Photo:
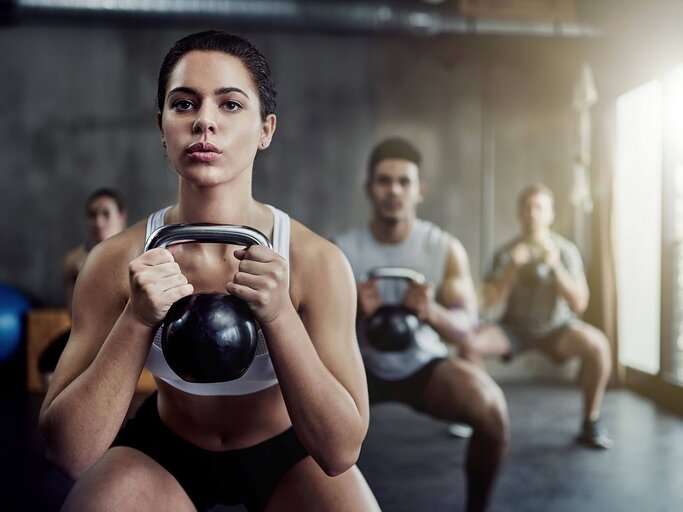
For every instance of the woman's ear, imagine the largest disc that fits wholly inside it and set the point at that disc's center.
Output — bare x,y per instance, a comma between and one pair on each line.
163,139
267,131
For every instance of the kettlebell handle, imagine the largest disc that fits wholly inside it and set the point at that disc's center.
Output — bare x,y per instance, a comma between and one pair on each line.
208,233
394,273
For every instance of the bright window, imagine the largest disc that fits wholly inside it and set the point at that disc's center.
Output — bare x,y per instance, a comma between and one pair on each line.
637,225
674,126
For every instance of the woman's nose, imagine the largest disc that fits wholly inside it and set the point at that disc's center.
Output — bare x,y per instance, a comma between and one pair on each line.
204,122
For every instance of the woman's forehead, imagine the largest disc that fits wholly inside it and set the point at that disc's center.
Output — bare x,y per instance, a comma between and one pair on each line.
209,69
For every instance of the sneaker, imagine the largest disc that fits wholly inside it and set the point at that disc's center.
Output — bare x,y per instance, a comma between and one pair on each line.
460,430
595,435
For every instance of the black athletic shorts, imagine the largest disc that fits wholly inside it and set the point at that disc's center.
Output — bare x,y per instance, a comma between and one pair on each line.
408,391
247,475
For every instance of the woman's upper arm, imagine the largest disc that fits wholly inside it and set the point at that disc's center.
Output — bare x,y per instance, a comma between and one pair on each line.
98,299
328,310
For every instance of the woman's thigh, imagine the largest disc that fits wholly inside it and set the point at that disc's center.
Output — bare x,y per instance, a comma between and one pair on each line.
306,487
127,479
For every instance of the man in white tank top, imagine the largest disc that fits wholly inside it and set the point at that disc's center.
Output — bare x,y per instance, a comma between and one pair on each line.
424,376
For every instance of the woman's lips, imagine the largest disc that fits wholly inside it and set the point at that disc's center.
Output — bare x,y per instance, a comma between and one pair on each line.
204,156
203,152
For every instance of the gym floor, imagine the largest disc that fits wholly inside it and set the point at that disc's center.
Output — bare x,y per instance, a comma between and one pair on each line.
413,464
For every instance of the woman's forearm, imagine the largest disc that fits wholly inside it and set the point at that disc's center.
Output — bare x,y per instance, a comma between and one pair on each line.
80,422
330,424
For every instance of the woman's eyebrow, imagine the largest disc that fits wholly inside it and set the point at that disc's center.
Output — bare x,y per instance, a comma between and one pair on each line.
226,90
187,90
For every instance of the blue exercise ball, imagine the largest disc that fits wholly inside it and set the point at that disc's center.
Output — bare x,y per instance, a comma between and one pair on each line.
13,307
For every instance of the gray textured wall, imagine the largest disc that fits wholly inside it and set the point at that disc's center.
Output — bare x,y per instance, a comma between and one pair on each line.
79,113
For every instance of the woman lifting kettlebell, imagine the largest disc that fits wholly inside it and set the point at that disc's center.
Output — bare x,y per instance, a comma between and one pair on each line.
286,436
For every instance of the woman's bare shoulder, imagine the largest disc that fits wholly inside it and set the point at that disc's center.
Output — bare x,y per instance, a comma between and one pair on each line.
114,254
306,246
315,261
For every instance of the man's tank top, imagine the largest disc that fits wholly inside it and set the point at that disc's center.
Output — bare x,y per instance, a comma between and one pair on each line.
425,251
260,374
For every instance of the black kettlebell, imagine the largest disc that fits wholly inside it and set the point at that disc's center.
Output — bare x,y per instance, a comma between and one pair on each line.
393,327
208,337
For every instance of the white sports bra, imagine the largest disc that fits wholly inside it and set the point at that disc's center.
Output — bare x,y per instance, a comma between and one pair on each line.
260,374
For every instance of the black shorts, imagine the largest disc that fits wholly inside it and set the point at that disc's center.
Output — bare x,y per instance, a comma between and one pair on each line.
408,391
247,475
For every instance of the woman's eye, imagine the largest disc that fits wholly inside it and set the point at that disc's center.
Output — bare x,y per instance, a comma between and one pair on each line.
182,105
232,106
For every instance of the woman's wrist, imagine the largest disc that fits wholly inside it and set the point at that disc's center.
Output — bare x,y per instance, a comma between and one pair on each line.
282,319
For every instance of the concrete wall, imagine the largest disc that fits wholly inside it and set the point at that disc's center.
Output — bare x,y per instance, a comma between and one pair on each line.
79,113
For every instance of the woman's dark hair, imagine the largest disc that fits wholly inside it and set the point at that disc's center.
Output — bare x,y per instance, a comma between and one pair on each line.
219,41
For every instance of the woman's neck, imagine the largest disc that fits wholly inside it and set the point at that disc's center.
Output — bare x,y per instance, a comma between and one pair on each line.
220,204
229,203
